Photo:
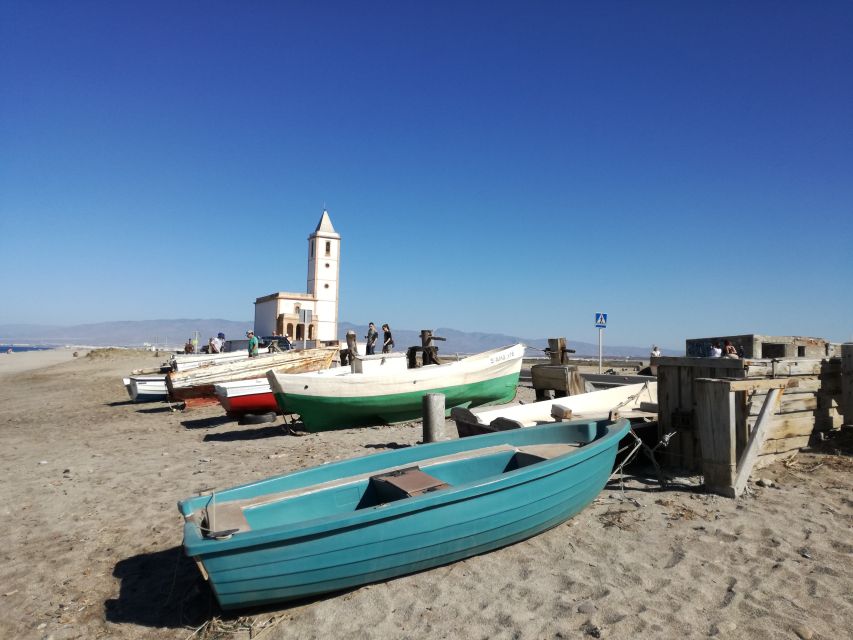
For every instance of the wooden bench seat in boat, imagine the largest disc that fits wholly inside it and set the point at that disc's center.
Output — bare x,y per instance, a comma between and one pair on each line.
405,483
226,517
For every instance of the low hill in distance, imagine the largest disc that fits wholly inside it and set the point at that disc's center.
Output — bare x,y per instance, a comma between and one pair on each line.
173,334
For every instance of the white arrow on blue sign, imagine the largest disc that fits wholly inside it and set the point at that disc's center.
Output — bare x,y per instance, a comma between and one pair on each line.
601,320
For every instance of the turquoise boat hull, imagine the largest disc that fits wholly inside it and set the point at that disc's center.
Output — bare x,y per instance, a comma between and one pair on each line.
325,529
324,413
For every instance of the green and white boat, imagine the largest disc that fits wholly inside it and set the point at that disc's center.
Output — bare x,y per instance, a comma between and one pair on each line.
380,389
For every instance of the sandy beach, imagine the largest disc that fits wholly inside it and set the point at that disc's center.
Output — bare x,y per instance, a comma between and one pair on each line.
93,539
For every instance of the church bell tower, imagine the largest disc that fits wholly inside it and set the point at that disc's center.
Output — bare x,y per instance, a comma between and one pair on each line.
324,251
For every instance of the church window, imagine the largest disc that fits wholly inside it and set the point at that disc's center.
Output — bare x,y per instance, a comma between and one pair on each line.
328,248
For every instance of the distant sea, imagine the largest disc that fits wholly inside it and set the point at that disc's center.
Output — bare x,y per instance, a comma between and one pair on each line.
17,347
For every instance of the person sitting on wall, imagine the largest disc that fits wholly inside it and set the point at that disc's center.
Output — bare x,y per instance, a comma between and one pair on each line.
214,345
716,352
729,350
189,347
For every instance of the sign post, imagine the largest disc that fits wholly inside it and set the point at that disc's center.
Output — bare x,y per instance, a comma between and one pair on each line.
601,324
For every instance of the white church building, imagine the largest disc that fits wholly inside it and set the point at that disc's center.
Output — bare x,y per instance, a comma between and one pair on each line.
285,313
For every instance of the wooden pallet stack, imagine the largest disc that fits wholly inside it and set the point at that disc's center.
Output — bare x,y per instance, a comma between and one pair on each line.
802,411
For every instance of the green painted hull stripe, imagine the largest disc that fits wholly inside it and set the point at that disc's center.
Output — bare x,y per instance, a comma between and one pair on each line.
320,413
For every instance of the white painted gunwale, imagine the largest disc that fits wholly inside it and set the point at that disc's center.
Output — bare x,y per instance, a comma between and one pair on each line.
148,385
342,383
185,361
239,388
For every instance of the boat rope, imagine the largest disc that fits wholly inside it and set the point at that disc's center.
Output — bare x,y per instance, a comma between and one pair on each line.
645,387
650,454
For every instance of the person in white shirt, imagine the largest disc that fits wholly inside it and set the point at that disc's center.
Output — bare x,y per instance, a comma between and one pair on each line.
716,352
655,352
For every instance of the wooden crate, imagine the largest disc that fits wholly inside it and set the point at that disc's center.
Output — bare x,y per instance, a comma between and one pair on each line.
811,407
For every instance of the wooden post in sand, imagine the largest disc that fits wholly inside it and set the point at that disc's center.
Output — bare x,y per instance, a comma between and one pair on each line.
433,411
348,354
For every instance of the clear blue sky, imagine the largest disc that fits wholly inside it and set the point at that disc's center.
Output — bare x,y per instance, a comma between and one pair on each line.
686,167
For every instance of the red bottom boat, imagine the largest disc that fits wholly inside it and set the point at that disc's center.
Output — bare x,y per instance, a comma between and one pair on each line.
246,396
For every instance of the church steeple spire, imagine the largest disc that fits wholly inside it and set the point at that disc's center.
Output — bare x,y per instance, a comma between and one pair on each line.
325,224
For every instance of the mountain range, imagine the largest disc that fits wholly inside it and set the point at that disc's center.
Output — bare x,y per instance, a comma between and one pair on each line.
173,333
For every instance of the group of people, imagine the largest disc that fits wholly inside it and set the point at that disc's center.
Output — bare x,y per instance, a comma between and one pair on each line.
372,338
728,350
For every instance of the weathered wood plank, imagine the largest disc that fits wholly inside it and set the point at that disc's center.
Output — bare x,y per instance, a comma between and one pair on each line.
847,382
756,438
787,405
715,421
785,444
722,363
799,367
686,386
823,420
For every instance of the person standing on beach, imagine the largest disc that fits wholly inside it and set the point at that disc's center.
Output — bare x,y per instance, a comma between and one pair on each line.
253,343
371,337
388,339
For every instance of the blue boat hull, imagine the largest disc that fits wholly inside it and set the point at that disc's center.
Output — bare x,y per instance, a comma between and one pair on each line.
353,547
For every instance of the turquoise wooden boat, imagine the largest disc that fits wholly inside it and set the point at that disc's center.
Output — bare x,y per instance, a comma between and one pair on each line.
368,519
380,389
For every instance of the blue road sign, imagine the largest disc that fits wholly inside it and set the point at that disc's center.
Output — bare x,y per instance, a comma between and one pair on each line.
601,320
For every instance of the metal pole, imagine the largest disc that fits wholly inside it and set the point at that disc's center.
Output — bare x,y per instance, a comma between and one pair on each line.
433,410
600,338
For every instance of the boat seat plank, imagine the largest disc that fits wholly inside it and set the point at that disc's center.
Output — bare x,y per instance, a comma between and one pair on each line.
405,484
225,517
259,501
548,451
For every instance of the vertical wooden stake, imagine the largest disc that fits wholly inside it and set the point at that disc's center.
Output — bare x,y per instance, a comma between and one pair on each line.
433,411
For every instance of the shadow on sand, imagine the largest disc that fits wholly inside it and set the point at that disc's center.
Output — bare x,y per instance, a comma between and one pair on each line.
165,589
207,423
387,445
160,409
248,434
120,403
160,589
